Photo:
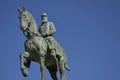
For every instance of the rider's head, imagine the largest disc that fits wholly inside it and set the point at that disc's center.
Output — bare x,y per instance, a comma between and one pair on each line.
44,17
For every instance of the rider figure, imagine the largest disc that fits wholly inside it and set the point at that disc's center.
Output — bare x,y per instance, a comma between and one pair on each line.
47,30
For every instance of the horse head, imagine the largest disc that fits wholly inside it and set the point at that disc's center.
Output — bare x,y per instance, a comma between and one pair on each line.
28,23
24,18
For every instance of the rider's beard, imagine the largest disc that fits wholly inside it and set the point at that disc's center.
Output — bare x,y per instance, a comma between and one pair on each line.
44,20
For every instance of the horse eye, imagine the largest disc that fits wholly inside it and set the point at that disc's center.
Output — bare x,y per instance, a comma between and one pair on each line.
24,16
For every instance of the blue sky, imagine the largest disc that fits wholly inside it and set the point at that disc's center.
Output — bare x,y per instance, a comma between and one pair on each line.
88,30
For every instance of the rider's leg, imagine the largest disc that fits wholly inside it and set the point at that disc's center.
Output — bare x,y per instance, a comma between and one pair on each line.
53,53
52,47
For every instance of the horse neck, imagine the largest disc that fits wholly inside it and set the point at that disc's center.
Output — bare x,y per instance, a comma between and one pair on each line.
32,28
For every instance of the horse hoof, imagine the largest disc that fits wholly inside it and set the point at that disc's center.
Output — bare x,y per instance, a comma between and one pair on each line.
25,73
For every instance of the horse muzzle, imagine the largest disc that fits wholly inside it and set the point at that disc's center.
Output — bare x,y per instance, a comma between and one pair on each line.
23,28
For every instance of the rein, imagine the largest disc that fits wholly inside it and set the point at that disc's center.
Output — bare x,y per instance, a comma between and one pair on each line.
33,33
24,34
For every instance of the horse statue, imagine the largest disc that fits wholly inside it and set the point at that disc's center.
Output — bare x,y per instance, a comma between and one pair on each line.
36,49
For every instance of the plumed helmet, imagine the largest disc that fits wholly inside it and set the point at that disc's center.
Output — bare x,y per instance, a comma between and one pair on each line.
43,15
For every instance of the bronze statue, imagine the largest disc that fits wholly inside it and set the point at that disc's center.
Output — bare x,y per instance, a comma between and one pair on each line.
39,48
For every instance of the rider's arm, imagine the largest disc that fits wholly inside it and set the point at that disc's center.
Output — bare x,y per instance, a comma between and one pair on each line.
52,29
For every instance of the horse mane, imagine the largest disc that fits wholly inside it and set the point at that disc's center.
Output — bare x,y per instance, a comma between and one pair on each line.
33,19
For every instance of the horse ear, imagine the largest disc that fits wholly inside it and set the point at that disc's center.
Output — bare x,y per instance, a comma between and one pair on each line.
24,8
19,10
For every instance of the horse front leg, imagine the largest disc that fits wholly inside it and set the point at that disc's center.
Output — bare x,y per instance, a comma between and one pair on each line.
22,67
42,65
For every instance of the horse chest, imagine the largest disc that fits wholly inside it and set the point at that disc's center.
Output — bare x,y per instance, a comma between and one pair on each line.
33,50
30,47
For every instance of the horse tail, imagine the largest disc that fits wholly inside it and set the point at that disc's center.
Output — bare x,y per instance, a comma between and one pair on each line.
66,67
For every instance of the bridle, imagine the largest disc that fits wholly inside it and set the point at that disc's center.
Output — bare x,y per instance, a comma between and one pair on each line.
28,30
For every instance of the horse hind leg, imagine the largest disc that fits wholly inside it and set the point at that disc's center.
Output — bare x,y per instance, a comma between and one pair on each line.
53,72
22,66
61,70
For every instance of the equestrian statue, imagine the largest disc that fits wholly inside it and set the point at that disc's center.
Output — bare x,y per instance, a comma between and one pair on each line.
41,46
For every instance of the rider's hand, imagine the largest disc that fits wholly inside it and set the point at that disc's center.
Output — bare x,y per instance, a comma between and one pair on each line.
44,34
